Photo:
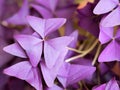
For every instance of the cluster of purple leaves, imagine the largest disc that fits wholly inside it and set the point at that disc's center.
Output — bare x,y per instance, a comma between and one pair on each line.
37,53
110,34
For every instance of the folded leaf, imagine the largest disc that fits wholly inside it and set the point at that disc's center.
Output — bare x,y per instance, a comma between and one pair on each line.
32,46
50,4
101,9
110,53
75,73
112,19
45,26
16,50
48,74
60,43
20,17
53,24
50,55
111,85
106,34
43,11
53,48
25,71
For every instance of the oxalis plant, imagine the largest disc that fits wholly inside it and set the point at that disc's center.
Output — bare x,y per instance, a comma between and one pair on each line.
59,44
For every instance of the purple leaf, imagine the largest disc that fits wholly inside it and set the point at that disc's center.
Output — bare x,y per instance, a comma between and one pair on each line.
45,26
51,4
101,87
48,74
15,49
50,55
75,73
106,34
53,24
110,5
60,43
110,53
4,57
79,72
32,46
20,17
25,71
112,19
43,11
53,47
111,85
37,24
